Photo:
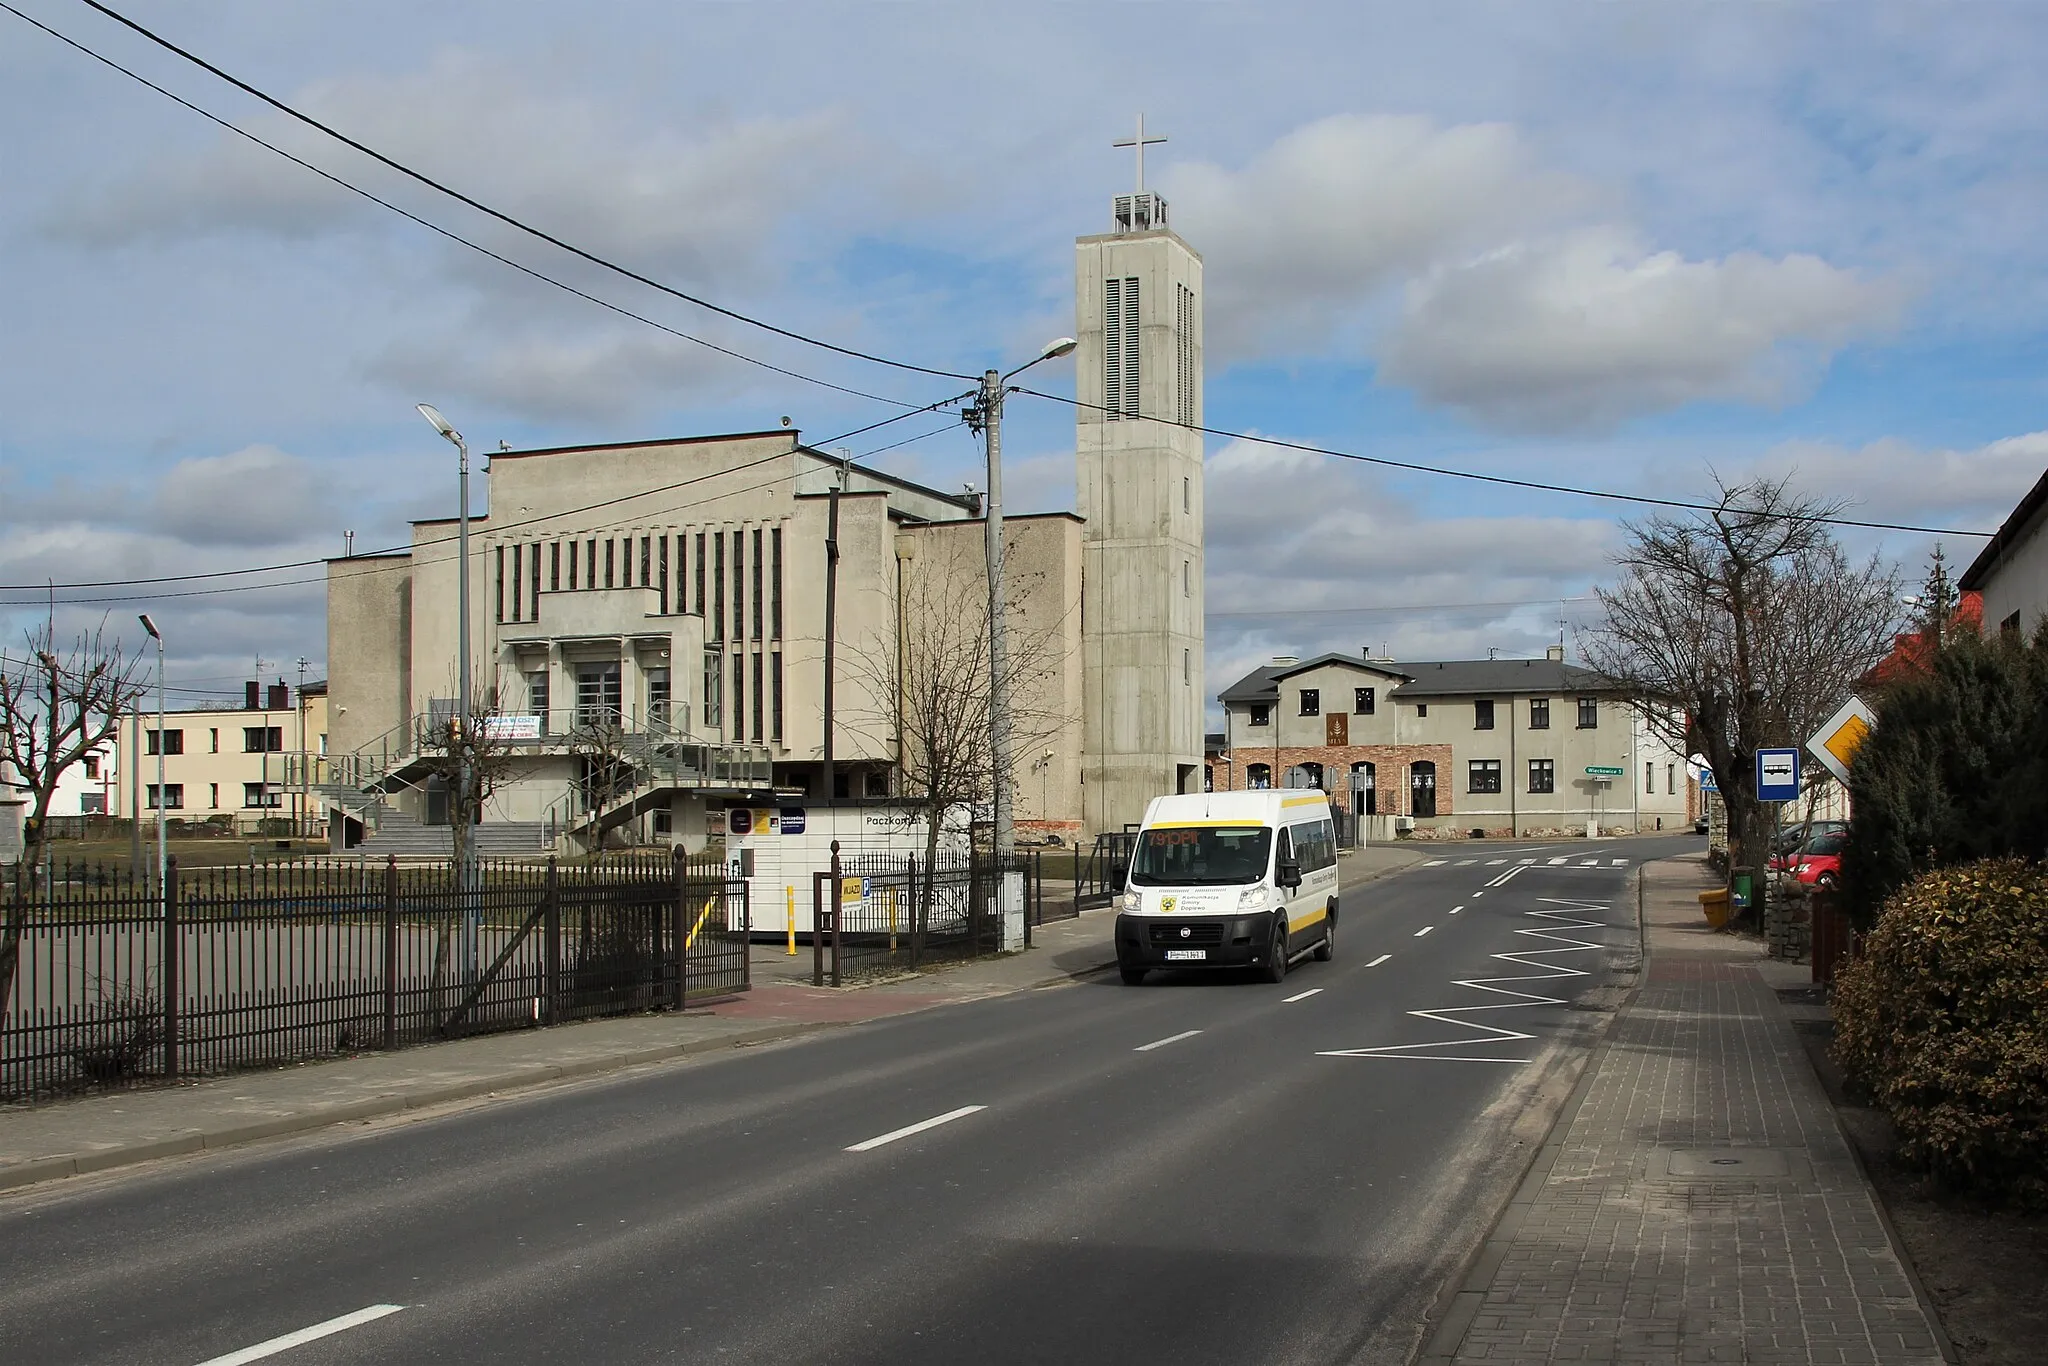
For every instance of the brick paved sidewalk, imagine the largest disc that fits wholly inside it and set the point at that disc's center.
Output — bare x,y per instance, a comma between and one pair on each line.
1698,1201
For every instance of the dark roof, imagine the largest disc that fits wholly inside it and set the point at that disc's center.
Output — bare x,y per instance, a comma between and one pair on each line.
1435,678
1214,741
2008,531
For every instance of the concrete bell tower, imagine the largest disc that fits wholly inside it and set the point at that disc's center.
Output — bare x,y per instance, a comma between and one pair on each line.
1138,305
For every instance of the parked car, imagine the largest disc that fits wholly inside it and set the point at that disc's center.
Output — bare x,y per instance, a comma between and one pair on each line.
1699,826
1818,862
1790,837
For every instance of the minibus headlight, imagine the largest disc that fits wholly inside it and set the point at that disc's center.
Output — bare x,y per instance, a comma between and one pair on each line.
1252,899
1132,902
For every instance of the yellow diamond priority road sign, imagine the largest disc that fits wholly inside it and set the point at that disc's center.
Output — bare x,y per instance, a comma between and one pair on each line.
1835,743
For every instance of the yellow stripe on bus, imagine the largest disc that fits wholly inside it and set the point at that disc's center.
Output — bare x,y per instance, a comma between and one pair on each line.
1298,922
1318,800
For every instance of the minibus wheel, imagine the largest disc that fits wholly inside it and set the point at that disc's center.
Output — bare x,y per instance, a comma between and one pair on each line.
1276,954
1131,976
1327,949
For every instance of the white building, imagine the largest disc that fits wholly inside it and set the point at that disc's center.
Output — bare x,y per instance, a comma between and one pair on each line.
2011,571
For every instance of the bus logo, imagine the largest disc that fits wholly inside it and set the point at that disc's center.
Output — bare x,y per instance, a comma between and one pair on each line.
1167,903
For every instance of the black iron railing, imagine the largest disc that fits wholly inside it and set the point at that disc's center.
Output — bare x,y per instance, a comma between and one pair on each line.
117,981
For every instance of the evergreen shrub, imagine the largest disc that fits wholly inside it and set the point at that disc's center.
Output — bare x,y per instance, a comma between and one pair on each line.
1943,1020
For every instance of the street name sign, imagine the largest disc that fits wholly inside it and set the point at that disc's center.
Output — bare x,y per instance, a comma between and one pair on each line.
1835,744
1777,775
1602,771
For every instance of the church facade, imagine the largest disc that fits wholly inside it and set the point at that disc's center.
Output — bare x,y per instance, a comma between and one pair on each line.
673,594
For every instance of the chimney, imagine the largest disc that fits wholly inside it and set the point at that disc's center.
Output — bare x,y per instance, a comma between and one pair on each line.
249,691
1285,661
280,696
1554,653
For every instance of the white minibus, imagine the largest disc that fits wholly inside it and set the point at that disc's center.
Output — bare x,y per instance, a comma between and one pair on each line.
1230,880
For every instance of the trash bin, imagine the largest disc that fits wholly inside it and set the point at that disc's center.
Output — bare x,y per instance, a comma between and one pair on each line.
1741,888
1714,903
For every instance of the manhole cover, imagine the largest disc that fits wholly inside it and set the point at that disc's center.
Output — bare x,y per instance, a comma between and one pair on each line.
1732,1164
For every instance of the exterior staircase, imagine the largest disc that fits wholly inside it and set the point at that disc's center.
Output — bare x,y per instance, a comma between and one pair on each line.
403,835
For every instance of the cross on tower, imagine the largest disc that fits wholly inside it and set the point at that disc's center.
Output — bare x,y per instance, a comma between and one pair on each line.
1139,142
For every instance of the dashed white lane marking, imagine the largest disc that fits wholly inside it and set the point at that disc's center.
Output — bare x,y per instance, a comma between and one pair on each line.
934,1122
285,1343
1456,909
1424,930
1556,861
1301,996
1161,1043
1379,960
1434,863
1617,863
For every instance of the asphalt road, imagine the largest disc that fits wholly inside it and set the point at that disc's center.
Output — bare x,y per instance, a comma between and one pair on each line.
1197,1170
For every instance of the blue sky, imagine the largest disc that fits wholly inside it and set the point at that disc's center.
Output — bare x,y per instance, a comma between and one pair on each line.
1619,246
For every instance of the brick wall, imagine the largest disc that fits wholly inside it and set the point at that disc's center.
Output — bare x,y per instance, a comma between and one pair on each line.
1391,776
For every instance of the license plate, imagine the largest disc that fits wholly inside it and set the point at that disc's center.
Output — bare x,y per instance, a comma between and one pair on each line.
1186,955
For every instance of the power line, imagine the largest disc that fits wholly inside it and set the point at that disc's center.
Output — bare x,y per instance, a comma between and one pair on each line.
1444,471
1272,612
414,559
507,219
448,233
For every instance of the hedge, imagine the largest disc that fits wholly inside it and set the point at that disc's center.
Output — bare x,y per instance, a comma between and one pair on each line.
1944,1021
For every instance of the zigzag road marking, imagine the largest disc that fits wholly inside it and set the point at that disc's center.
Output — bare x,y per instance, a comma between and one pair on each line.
1566,916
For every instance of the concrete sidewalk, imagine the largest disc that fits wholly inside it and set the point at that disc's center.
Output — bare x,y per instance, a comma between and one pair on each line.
1697,1200
96,1133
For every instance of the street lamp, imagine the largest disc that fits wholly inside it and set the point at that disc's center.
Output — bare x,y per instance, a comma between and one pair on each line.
162,846
986,417
462,774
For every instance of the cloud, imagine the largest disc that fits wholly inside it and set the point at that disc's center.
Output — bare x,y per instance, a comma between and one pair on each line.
256,496
1299,242
691,204
1588,328
548,374
1900,481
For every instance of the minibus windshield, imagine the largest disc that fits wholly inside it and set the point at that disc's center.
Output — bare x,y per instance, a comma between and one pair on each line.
1201,856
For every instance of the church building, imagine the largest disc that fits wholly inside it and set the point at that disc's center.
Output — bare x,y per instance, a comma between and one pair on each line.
672,594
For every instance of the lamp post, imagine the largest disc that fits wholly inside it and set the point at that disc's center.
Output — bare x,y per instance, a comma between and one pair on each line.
986,417
463,865
162,844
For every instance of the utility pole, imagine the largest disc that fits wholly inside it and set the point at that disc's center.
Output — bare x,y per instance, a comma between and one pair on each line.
464,879
831,614
988,415
301,824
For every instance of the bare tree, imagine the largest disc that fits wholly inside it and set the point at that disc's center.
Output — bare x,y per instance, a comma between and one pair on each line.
487,753
55,709
601,747
930,689
1743,628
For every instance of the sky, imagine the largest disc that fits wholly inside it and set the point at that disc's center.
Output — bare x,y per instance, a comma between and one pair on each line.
1634,248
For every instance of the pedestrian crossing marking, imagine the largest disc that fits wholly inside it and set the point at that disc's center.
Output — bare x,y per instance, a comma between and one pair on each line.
1590,863
1527,862
1556,861
1467,862
1618,863
1434,863
1495,862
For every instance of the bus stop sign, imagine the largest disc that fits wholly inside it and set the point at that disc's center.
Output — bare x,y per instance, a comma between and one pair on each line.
1777,775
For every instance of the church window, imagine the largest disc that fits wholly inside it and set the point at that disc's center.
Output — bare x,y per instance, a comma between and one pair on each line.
1121,336
717,618
775,601
1184,349
714,679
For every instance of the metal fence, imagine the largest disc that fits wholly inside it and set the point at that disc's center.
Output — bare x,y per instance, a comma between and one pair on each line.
900,914
116,982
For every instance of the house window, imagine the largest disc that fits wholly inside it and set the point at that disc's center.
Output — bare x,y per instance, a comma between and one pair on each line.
1483,775
213,739
1539,713
174,797
1362,701
259,795
1671,780
1187,495
1649,780
1422,709
658,697
263,739
1187,578
213,796
1589,713
1543,775
2010,626
172,742
1258,776
1260,714
876,783
1187,667
1311,702
92,767
1303,776
1482,714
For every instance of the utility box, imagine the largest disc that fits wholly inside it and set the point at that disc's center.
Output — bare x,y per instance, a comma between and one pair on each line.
776,849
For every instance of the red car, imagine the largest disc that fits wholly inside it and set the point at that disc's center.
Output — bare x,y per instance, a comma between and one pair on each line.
1818,862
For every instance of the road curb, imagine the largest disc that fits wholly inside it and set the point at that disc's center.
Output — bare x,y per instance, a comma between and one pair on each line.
1458,1307
39,1170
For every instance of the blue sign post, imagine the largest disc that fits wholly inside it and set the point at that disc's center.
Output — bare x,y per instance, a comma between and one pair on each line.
1777,775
